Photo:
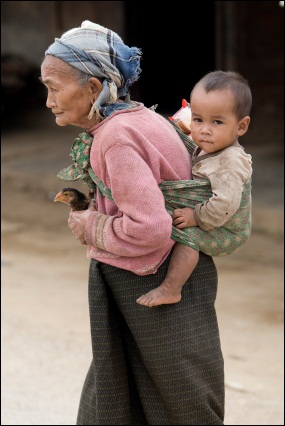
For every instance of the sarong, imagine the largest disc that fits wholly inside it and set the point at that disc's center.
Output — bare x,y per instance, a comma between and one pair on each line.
153,366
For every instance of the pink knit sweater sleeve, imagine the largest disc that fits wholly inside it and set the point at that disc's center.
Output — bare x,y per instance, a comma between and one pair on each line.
143,223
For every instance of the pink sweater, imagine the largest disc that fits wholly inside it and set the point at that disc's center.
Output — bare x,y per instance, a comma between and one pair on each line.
132,153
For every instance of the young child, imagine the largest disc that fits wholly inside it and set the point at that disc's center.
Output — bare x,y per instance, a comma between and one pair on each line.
220,107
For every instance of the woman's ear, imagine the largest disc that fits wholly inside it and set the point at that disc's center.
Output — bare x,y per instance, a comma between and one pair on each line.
96,86
243,125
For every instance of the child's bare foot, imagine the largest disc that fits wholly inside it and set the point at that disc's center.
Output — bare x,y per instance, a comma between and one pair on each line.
159,296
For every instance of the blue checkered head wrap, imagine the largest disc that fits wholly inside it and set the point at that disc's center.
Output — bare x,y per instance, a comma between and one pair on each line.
101,53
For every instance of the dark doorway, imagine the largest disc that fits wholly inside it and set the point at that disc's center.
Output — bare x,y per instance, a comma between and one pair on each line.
178,49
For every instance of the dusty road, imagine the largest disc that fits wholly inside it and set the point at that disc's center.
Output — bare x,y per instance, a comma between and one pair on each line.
45,327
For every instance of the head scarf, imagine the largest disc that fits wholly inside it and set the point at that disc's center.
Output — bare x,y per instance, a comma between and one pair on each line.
100,52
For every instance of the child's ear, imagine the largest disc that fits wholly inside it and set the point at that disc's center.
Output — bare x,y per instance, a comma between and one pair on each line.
243,125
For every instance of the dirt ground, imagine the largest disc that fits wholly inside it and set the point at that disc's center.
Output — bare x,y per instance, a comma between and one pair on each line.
45,327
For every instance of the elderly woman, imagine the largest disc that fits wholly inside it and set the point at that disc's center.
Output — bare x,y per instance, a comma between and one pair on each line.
153,366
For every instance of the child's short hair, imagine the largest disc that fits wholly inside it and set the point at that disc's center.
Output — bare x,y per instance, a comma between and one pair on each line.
229,80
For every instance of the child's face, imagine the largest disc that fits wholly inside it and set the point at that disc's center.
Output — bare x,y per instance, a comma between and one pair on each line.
214,125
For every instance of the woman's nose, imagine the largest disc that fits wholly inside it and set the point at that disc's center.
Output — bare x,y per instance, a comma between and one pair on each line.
50,103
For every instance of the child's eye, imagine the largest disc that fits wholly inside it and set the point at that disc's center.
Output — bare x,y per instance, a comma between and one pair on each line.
197,120
218,122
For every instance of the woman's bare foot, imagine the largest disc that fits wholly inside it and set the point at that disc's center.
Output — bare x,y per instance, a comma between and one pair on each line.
161,295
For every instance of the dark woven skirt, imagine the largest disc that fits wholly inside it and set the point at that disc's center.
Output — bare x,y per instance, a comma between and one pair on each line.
153,366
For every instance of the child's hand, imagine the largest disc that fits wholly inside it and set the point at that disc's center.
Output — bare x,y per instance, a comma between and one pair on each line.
183,218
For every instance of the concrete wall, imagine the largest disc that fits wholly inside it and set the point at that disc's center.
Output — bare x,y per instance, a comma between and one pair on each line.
25,28
28,27
249,38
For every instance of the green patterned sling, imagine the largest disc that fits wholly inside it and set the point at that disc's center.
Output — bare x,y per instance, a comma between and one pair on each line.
177,194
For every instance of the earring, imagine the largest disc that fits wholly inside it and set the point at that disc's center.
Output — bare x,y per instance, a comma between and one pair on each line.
92,111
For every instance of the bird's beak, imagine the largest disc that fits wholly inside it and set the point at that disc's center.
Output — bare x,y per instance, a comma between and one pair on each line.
59,197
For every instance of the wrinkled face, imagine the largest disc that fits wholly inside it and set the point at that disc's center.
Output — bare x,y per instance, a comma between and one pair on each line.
214,125
69,101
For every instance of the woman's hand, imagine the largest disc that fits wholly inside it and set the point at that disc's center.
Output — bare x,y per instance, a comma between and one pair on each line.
183,218
77,221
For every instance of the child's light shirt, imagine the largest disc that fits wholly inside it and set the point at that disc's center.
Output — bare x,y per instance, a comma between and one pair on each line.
227,171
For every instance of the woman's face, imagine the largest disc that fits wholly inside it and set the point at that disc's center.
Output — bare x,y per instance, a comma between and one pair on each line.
69,101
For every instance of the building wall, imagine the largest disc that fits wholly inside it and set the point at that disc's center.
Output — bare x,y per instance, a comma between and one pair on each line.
25,28
28,27
248,37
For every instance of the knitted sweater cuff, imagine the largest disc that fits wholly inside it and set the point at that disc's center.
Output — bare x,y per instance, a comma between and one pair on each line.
95,230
